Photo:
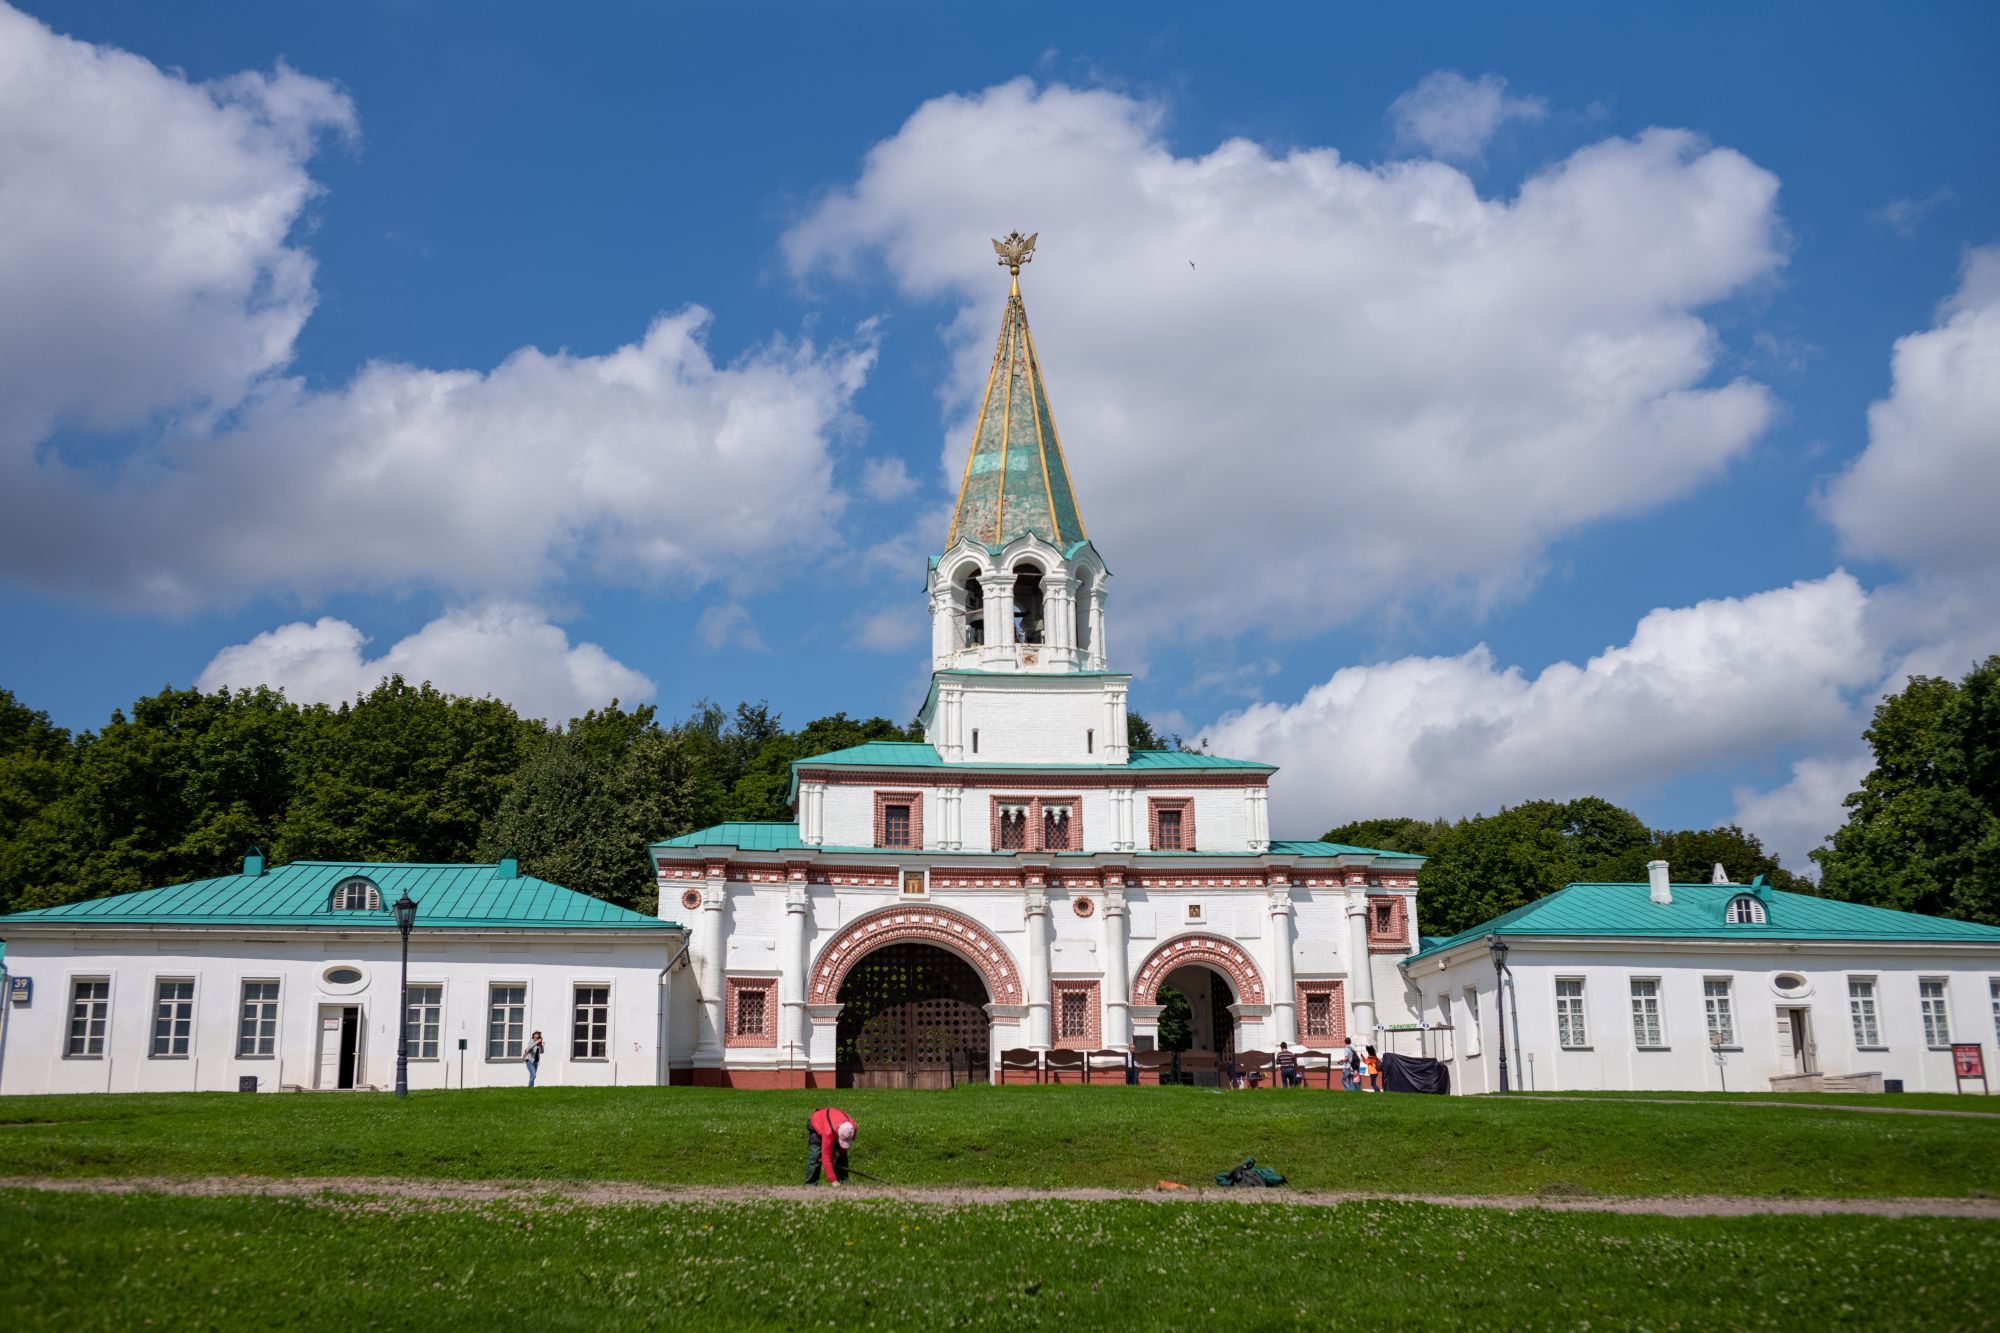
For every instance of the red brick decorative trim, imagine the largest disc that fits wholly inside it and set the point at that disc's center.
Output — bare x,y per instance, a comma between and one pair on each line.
1336,993
1154,806
924,925
767,1033
1093,1020
952,775
691,899
1084,907
1037,807
914,800
1395,936
1225,956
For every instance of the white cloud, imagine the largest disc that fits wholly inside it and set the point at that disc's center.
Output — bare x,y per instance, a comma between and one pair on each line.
1695,686
891,629
886,478
729,626
503,649
1454,117
1904,216
1798,816
147,276
147,266
1374,382
1926,490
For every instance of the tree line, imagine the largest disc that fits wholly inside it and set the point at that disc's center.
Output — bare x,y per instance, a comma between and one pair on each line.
180,786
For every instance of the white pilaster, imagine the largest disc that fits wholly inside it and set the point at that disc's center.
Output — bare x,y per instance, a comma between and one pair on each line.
1097,656
1041,992
1121,813
945,620
1284,1000
711,956
1117,972
795,1029
1260,819
951,808
999,646
1117,749
812,813
1360,974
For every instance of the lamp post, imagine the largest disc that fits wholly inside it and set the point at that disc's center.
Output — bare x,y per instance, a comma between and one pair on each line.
1498,948
406,917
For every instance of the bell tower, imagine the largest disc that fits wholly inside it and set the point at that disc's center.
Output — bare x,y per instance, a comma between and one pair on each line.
1019,590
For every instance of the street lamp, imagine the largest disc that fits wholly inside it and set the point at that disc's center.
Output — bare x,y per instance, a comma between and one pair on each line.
1498,948
406,917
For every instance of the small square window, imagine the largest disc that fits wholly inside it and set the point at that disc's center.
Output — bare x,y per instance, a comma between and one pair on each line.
895,826
1168,837
1075,1014
750,1012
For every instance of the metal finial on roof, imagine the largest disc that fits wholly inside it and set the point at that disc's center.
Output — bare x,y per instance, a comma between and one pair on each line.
1015,251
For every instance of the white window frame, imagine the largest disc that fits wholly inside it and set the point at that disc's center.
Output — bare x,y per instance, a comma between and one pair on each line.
520,1043
1937,1035
184,1039
576,1008
1710,1009
1993,989
414,1031
94,1044
1659,1042
1869,1006
259,1042
1582,1015
1447,1048
1472,1031
1753,913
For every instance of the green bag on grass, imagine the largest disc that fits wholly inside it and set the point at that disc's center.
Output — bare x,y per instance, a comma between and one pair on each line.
1250,1175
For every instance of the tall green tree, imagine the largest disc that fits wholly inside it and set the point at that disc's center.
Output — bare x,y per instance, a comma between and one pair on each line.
761,791
1414,837
1923,832
35,759
404,773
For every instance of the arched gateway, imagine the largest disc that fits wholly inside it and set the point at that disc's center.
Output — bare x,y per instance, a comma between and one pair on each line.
913,985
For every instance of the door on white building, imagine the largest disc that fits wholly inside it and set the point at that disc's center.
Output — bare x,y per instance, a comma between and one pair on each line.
1795,1040
339,1046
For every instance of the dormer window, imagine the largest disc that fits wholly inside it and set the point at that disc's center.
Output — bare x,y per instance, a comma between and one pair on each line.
1745,910
356,895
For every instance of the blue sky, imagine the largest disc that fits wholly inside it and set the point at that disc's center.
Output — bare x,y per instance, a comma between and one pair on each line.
1374,339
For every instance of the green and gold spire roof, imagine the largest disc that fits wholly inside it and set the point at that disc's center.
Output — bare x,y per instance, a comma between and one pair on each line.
1015,479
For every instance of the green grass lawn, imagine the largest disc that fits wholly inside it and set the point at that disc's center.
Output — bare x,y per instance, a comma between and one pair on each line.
117,1262
1070,1136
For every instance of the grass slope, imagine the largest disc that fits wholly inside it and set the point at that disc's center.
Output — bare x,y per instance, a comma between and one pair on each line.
85,1262
1116,1137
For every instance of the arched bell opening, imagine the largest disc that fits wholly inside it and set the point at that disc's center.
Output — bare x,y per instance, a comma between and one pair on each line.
1028,618
972,597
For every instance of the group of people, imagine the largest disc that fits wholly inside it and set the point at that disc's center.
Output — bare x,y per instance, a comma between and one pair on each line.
1360,1068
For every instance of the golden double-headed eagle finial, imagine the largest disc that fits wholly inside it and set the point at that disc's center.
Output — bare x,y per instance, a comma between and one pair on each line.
1016,250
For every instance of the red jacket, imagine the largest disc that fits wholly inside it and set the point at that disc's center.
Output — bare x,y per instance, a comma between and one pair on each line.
826,1122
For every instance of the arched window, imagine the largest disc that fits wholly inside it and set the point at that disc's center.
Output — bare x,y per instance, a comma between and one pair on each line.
1745,910
1027,604
356,895
974,598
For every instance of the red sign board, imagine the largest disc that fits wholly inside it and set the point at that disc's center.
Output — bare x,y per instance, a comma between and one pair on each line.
1968,1062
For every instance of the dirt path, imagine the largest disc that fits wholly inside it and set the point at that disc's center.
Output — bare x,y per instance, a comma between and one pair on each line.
597,1194
1745,1101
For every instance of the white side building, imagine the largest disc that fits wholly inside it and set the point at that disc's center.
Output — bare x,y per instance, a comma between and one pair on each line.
290,976
1643,986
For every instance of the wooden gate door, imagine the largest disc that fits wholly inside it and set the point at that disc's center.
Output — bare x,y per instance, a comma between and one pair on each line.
913,1016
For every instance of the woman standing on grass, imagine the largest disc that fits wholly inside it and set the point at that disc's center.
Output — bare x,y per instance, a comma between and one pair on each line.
1372,1062
533,1057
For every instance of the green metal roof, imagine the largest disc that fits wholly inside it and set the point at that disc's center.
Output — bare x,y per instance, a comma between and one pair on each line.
1016,480
783,836
913,754
301,894
1698,911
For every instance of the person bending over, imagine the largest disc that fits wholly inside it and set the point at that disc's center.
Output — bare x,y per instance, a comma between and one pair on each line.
829,1134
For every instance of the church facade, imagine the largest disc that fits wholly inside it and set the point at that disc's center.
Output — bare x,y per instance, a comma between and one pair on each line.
1021,878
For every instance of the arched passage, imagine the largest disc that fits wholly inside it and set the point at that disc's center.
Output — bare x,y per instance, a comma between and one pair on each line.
1212,951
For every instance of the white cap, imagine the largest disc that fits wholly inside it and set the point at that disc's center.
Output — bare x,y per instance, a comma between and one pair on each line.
845,1134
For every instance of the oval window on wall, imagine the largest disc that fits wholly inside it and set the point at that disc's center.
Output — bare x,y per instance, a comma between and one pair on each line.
342,976
1791,985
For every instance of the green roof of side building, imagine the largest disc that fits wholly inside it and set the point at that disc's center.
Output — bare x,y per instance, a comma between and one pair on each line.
491,897
783,836
915,754
1699,911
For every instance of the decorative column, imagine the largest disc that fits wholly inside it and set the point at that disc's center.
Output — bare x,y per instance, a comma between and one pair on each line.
1116,745
1260,819
812,813
795,1027
1360,970
1117,965
1041,995
1097,657
949,727
1059,620
999,642
1121,820
1283,997
945,621
712,931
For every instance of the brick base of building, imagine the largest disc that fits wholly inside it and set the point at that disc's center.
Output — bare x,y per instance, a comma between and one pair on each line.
764,1079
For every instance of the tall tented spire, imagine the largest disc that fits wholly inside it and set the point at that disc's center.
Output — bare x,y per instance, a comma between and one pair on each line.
1015,478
